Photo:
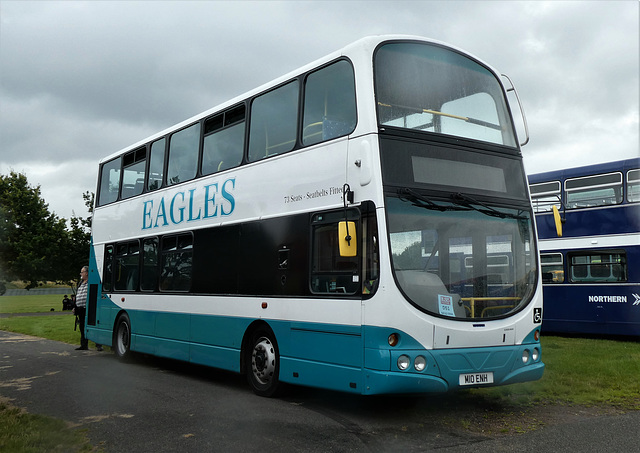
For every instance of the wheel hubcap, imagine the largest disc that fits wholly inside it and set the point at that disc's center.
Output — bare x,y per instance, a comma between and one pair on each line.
263,360
123,339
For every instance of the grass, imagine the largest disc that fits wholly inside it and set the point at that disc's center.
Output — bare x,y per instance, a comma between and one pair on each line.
58,328
30,304
21,432
581,371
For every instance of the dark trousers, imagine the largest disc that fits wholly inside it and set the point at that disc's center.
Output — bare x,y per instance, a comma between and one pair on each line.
80,312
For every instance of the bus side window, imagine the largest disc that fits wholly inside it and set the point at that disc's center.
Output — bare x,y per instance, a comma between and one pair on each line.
545,195
633,186
552,267
223,141
156,165
176,261
330,272
597,266
109,182
127,261
149,278
183,155
273,122
107,274
597,190
329,103
133,169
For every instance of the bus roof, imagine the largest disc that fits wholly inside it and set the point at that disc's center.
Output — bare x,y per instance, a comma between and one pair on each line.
363,46
586,170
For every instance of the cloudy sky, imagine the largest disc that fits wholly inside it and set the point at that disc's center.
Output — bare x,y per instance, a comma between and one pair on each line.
81,80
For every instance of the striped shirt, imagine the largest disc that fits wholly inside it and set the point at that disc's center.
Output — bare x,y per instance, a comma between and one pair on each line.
81,295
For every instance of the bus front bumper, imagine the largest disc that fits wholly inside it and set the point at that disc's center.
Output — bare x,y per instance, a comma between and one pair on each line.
381,382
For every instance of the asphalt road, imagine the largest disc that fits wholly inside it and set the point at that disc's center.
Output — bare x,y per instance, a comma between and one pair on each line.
166,406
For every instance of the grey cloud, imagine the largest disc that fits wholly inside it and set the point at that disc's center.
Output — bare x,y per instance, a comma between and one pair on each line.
89,78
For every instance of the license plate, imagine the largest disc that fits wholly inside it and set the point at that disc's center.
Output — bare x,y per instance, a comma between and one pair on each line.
476,378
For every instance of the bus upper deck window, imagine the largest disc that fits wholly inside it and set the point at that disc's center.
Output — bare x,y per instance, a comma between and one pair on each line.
156,165
183,155
133,167
109,182
329,103
596,190
633,186
223,140
273,122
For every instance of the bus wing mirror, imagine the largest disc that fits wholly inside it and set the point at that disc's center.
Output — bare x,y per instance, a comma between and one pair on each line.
558,221
347,238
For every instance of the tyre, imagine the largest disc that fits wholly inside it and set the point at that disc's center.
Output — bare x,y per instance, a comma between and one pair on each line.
263,360
122,337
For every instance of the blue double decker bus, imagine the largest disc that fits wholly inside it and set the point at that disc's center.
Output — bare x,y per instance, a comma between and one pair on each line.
588,221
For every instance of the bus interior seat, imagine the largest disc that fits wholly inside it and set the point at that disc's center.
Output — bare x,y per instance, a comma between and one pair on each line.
423,288
128,190
155,181
149,277
132,280
139,186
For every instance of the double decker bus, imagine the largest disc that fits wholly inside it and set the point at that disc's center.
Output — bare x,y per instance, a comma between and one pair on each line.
362,224
588,222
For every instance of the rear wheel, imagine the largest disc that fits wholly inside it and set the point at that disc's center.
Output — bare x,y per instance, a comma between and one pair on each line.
122,337
263,360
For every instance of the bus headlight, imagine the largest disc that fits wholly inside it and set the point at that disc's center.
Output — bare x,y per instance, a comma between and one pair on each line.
403,362
535,355
525,356
420,363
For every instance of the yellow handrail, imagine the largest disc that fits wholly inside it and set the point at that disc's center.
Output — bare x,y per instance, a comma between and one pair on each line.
432,112
472,302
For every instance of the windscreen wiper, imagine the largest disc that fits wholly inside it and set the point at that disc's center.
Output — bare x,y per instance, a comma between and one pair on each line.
466,200
423,202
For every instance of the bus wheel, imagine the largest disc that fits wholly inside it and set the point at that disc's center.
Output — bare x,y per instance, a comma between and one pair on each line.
265,362
122,337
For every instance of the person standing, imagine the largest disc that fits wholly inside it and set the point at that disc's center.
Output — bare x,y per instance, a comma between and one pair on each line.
81,307
66,303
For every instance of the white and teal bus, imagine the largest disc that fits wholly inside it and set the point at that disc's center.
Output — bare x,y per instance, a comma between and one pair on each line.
362,224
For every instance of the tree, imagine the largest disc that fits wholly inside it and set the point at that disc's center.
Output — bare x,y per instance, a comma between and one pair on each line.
32,239
76,252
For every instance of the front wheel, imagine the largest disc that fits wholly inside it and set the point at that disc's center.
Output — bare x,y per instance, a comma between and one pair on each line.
122,337
263,359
